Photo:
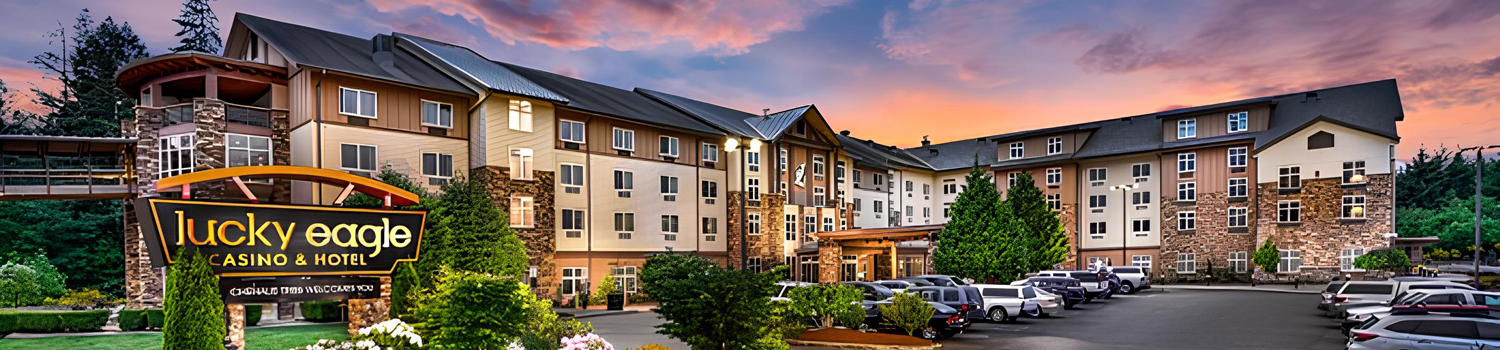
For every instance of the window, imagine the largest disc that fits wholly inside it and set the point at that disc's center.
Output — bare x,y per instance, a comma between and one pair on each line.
1239,121
1096,230
752,186
1054,201
572,223
521,163
624,225
1010,179
1142,261
355,157
624,278
1054,145
669,188
1187,128
1291,261
1141,172
437,165
1290,177
1097,176
624,140
926,189
669,227
520,115
437,114
838,171
574,280
1140,198
752,224
926,212
1238,157
359,103
710,190
1354,172
1238,262
1289,211
818,167
909,211
809,224
1017,150
947,210
1054,176
571,178
790,221
753,264
522,211
856,178
624,182
570,131
1319,140
670,147
781,159
1187,220
820,196
247,150
857,206
1187,263
175,154
1187,191
1097,201
1140,227
908,187
1187,162
1239,187
879,179
710,227
1347,256
752,159
710,152
827,224
879,207
1238,216
1354,207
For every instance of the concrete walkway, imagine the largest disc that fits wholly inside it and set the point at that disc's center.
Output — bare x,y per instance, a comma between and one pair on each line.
105,333
1274,288
601,311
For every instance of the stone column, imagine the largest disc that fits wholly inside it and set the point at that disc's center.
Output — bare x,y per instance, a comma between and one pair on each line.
830,261
143,284
235,337
367,312
281,154
209,152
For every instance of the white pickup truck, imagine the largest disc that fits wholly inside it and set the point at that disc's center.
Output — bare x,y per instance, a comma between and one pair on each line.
1132,278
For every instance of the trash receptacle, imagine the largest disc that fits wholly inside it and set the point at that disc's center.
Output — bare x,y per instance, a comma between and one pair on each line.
615,302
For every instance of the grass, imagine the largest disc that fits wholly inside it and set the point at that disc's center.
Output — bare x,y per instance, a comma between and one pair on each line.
274,338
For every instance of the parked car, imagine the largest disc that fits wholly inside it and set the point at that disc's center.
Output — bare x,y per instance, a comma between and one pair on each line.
896,286
946,321
1408,287
1132,278
872,291
1093,286
1421,330
941,280
1048,303
1006,303
1068,288
1427,299
1328,292
918,282
1114,282
1362,293
966,299
784,290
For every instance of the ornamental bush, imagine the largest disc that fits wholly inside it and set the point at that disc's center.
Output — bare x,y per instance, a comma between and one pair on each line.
829,304
391,335
602,292
132,320
252,314
194,309
323,310
907,312
52,321
83,299
403,284
476,311
710,307
786,322
1267,256
544,327
156,318
1389,260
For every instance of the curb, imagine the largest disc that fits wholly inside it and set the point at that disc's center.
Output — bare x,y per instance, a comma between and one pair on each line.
605,313
799,342
1246,289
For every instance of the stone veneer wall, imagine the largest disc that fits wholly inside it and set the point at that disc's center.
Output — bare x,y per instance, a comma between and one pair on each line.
830,260
541,240
1069,218
1322,234
1211,241
766,245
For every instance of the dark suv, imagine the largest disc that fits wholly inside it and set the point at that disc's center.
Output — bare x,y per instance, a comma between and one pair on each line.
872,291
966,299
1068,287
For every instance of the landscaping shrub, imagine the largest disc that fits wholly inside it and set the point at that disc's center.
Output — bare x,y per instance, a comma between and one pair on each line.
402,286
29,279
651,347
544,327
601,293
194,309
156,318
132,320
7,324
252,314
390,335
828,304
710,307
323,311
786,321
52,321
81,299
908,312
478,311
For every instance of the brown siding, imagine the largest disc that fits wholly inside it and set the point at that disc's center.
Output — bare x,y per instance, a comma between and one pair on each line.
1217,123
300,93
600,137
1037,146
397,107
1212,173
801,154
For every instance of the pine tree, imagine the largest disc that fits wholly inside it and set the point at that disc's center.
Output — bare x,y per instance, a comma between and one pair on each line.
970,245
200,28
1267,257
194,309
1036,237
90,102
470,233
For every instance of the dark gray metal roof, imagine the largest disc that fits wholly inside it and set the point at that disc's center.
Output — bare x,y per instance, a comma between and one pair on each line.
774,124
873,154
599,98
45,138
477,69
1011,163
958,154
1127,135
1372,107
333,51
730,120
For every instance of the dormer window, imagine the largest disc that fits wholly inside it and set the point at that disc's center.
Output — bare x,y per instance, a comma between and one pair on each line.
1239,121
1017,150
1054,145
1187,128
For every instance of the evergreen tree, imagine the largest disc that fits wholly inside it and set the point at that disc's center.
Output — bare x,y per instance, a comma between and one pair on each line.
193,307
90,102
394,178
1267,257
403,284
970,245
14,121
1036,237
470,233
200,28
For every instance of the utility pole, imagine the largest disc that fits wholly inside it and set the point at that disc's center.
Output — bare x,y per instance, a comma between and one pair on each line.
1478,206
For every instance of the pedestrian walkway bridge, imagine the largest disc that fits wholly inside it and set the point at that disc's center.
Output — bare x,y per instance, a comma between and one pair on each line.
66,167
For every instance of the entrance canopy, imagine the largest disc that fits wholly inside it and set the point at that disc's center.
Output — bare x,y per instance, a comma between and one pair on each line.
871,254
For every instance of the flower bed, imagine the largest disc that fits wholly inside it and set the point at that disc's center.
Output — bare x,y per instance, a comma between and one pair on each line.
849,336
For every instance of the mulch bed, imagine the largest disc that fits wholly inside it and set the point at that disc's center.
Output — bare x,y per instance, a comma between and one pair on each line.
840,335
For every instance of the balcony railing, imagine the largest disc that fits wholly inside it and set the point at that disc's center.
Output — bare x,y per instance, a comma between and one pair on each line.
252,116
63,168
247,115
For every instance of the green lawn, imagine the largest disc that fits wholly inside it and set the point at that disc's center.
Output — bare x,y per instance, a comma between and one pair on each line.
275,338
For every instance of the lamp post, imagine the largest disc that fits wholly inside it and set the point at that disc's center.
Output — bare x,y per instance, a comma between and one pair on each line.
1124,217
731,144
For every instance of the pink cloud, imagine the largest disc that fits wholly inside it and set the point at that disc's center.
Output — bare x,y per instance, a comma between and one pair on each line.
723,28
20,77
967,39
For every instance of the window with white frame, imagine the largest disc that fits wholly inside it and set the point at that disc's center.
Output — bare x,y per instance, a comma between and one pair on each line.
752,159
520,115
1097,201
355,102
1239,187
1054,201
1239,216
909,211
926,212
838,171
1187,162
710,152
827,224
1289,177
357,158
574,280
1187,128
783,187
1354,172
1291,261
1140,227
1017,150
624,278
623,140
1187,220
437,114
790,221
669,227
1097,230
522,211
950,187
752,186
809,224
710,228
1141,172
1238,261
1347,256
248,150
1054,176
571,178
1097,176
1054,145
1010,179
879,179
820,196
521,163
437,165
572,223
1289,211
624,225
1353,208
174,154
1187,191
624,183
926,189
856,178
857,205
947,210
752,224
571,131
879,207
669,188
782,159
1238,157
1141,261
670,147
1140,198
1239,121
1187,263
710,191
818,167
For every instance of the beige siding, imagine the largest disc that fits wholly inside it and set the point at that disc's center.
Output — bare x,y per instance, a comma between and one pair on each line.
401,150
1118,220
1348,145
500,139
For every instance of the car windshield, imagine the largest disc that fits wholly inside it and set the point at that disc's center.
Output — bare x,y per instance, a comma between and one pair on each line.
1333,287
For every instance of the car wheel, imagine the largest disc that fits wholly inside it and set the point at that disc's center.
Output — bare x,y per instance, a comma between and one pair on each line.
929,333
1033,313
998,314
1127,288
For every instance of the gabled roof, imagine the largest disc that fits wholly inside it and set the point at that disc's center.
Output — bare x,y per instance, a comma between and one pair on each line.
774,124
1372,107
599,98
869,153
958,154
1124,135
477,69
338,52
730,120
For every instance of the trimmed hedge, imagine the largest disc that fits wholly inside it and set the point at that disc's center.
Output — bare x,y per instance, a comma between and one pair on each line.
52,321
252,314
323,311
7,324
156,318
132,320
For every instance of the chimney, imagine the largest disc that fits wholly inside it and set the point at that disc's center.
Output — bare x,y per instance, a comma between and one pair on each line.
1310,96
925,143
844,132
765,112
381,51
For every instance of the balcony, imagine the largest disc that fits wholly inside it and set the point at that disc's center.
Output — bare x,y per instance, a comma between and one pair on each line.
184,113
61,167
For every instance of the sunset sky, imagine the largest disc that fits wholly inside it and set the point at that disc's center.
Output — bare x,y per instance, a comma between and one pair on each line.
897,70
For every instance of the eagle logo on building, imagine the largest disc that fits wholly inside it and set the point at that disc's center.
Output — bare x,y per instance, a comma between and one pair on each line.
801,173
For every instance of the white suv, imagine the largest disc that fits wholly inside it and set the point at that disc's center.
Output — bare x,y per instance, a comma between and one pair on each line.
1426,332
1132,278
1003,303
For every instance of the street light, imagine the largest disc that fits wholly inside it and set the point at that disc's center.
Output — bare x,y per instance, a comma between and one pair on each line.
731,144
1478,199
1124,217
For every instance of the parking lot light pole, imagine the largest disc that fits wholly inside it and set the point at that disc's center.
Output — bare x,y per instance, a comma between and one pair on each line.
1125,217
1478,205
